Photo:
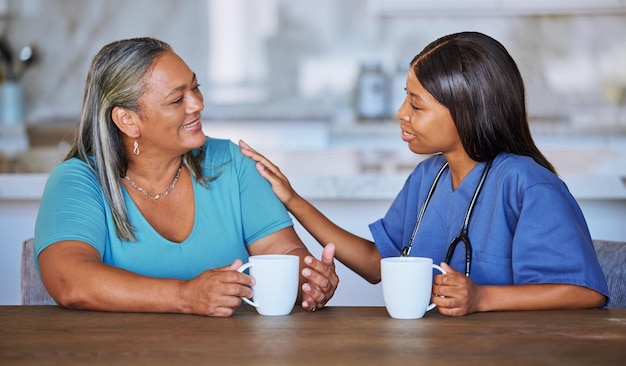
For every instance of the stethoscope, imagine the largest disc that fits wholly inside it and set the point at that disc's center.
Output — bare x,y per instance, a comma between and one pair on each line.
462,237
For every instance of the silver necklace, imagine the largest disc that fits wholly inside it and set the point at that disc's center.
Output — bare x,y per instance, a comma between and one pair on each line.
156,196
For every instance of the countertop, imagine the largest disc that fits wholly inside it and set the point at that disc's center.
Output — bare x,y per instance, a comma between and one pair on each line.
358,187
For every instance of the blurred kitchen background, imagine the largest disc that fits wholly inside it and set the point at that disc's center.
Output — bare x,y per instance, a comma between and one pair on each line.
315,86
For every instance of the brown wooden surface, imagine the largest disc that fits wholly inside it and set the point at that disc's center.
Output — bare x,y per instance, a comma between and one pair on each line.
48,335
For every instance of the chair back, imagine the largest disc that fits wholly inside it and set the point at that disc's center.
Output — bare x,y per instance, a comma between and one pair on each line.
612,258
33,291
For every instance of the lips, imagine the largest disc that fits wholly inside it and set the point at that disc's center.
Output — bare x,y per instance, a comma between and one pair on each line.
190,125
406,136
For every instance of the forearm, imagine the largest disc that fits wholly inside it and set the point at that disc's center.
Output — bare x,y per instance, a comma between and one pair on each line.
96,286
538,297
358,254
75,277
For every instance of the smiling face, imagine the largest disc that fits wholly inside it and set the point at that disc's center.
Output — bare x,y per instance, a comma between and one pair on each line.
426,124
169,116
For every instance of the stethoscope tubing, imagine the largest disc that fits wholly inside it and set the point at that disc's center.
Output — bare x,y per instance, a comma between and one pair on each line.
407,250
464,228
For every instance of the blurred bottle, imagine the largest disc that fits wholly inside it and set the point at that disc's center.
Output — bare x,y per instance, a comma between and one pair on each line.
11,105
371,101
13,136
397,88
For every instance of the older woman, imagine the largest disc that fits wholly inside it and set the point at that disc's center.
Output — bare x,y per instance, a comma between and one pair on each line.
147,214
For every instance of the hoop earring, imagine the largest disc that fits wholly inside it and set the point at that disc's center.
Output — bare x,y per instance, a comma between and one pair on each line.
136,148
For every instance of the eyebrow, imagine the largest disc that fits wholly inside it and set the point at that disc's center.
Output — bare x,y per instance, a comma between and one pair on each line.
417,96
182,87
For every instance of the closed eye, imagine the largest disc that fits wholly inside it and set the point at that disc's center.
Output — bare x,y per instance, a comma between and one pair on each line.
408,95
195,89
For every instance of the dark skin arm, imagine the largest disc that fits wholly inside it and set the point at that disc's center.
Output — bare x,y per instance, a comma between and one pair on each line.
456,294
359,254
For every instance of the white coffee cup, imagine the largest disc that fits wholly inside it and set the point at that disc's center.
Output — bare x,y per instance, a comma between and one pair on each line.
276,282
407,284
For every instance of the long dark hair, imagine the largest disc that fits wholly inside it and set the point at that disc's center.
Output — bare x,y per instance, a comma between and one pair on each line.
474,76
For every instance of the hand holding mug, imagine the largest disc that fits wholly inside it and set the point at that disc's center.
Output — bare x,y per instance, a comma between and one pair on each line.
217,292
455,293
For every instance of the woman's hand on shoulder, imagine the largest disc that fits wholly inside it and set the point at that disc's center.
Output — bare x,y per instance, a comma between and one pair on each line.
280,184
217,292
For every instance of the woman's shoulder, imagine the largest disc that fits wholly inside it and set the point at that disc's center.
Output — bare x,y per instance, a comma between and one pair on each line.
217,142
520,164
523,170
71,176
74,168
220,147
221,155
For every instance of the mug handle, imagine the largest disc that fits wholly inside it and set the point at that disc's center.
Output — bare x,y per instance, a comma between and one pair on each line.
433,305
241,269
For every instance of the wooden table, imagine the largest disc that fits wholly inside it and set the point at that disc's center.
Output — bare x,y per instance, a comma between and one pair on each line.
49,335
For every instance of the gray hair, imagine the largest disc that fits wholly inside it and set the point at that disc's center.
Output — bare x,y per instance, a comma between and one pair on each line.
116,79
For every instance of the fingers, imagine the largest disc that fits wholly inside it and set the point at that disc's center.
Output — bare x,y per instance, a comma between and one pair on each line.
454,293
232,267
318,284
266,168
244,145
231,275
314,298
327,263
328,254
451,277
227,282
447,267
248,151
447,303
309,303
218,292
322,279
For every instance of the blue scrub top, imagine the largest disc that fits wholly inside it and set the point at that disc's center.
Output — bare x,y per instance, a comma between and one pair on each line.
526,227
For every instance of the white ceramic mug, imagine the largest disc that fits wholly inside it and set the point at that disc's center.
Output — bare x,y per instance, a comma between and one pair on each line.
276,282
407,284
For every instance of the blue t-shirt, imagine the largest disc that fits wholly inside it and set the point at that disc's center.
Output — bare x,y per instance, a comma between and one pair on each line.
238,209
526,227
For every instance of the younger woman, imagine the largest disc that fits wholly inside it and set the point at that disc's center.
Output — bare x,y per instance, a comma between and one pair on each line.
487,204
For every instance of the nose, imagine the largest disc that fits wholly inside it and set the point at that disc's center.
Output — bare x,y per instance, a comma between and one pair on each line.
196,103
402,114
